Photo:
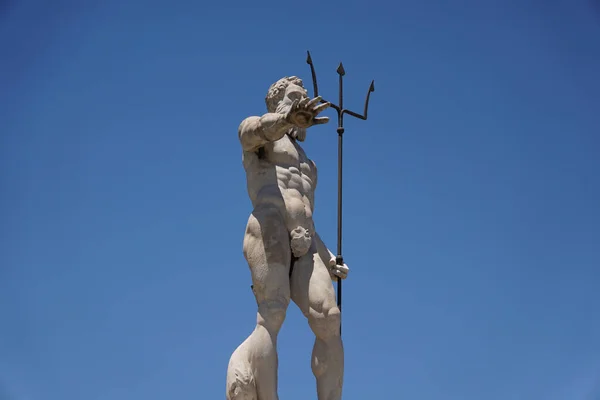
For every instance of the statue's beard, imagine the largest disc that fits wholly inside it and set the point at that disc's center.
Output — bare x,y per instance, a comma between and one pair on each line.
296,133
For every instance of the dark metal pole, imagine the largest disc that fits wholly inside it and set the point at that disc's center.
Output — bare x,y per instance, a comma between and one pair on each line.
340,130
339,259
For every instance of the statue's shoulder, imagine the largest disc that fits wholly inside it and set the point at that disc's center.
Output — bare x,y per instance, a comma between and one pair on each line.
248,123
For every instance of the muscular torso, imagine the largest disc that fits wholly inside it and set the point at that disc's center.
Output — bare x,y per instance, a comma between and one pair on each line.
280,174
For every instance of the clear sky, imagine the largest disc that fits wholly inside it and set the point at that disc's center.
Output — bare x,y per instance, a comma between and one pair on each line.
471,202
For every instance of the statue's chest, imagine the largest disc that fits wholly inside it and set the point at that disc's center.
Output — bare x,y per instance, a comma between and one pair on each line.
286,152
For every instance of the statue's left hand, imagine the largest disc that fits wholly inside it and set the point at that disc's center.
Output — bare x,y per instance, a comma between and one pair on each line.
337,271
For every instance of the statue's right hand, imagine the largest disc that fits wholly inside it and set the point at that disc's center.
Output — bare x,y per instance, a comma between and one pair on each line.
303,113
337,271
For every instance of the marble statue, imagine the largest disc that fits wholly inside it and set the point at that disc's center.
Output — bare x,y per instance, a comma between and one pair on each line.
287,258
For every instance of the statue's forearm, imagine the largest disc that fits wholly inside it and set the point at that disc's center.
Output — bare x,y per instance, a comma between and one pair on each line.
257,131
274,126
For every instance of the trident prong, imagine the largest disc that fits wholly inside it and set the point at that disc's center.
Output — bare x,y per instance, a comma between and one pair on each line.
364,116
312,72
340,110
340,130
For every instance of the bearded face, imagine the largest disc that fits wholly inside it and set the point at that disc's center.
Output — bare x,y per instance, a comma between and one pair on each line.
293,93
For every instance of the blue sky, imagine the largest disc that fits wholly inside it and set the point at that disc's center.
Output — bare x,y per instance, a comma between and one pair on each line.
471,195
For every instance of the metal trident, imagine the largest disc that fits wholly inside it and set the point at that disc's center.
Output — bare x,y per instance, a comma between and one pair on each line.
340,130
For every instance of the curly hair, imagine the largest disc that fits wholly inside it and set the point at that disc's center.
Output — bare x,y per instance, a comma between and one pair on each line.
277,91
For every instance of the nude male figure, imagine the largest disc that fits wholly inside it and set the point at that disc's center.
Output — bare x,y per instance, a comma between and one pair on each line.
286,256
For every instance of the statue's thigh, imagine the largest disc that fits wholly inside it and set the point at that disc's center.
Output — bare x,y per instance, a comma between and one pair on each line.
312,288
267,250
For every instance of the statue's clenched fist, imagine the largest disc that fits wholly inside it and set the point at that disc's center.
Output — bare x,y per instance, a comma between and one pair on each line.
337,271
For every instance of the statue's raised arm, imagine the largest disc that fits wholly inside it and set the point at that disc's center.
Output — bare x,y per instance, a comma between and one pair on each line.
255,132
289,109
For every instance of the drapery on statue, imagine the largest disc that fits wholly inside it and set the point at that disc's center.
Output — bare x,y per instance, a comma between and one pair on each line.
287,258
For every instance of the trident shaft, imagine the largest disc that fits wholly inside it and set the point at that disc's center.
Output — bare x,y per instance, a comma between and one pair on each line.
340,130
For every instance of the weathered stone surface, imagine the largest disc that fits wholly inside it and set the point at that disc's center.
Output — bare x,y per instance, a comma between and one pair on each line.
287,259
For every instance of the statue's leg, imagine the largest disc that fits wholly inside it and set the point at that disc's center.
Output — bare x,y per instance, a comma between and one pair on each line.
267,250
313,292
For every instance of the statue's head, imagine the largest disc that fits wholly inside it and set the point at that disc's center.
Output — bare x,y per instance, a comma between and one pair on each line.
277,91
280,97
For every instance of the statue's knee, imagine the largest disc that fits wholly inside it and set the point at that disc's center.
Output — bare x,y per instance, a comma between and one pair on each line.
325,324
271,314
241,384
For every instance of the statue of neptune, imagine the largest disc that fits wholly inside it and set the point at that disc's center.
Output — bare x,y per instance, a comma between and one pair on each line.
287,258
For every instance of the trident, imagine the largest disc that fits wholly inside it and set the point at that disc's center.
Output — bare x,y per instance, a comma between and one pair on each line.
340,130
